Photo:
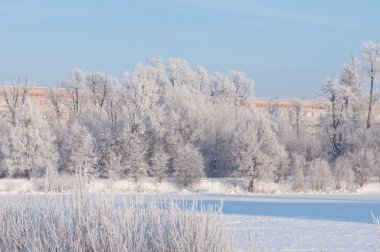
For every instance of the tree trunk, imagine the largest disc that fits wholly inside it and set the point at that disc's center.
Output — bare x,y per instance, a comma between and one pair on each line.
250,186
370,104
28,174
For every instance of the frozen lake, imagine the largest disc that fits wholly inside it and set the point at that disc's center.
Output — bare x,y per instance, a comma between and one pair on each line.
323,222
348,208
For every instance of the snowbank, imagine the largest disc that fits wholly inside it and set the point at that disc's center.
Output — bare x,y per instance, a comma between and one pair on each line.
150,185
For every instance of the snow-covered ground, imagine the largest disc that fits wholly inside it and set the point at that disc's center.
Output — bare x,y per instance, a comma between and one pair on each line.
295,234
149,185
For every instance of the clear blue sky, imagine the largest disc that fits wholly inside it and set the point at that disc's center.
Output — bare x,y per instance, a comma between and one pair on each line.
287,46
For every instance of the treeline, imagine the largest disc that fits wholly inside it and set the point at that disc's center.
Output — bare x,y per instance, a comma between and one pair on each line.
179,121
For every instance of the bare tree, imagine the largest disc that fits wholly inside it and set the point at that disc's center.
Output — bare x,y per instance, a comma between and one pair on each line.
273,108
56,97
296,116
334,118
14,96
74,85
243,87
100,86
352,79
371,67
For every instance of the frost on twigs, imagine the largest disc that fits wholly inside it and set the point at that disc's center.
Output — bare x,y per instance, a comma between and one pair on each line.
87,222
376,222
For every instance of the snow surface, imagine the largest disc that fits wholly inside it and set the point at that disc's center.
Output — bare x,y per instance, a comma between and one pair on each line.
149,185
295,234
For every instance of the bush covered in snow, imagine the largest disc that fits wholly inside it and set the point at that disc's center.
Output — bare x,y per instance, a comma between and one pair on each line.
106,223
320,174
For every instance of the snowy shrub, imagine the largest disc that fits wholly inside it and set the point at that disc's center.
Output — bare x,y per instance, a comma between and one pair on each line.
54,182
4,147
320,174
188,166
298,164
376,222
105,223
363,161
343,174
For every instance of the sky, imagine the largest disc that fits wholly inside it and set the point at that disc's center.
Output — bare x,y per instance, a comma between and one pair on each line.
288,47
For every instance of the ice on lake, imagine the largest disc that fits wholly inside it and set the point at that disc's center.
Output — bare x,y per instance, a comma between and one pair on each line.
302,222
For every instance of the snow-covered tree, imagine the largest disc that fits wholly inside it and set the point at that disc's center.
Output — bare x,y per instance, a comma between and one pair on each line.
31,147
136,160
273,108
201,82
256,146
351,77
132,149
371,68
100,86
114,165
56,97
186,115
180,73
281,165
78,150
217,146
221,88
334,118
188,165
297,117
339,121
140,96
75,85
159,164
15,96
243,87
